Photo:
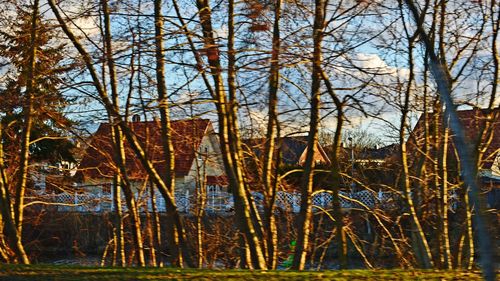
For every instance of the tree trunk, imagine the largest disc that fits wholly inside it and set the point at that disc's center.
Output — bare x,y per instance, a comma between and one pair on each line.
229,140
421,245
305,215
156,225
119,235
22,176
168,149
444,205
271,136
131,138
12,236
118,142
336,179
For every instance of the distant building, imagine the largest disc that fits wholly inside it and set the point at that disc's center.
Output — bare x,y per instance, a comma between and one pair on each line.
293,150
196,148
473,121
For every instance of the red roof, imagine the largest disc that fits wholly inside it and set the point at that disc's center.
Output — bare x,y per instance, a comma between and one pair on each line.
472,120
217,180
187,135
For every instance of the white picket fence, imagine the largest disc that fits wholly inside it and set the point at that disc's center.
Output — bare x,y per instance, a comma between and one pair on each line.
216,201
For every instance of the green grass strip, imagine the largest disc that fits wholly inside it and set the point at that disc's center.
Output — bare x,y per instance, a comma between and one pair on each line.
76,273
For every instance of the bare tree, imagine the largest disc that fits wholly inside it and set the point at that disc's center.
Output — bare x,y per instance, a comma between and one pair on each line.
444,81
131,138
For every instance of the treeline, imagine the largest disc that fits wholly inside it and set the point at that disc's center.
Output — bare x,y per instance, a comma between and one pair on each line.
264,69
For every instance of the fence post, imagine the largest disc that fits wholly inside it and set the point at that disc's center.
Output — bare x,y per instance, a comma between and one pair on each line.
75,201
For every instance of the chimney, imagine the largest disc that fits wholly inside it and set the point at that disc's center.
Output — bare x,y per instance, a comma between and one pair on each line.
136,118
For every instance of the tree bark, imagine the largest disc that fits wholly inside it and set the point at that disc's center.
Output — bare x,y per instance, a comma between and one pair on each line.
168,150
229,140
305,214
336,182
270,162
421,246
14,238
119,235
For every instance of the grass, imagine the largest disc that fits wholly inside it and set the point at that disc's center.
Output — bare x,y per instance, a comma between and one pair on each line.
74,273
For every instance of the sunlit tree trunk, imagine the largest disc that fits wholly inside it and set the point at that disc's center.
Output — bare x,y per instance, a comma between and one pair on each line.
151,239
305,214
22,176
119,251
199,210
4,257
178,242
127,131
12,236
421,245
336,182
118,143
270,162
229,140
444,205
156,225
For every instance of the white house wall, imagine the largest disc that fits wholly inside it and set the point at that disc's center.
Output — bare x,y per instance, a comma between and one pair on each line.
208,160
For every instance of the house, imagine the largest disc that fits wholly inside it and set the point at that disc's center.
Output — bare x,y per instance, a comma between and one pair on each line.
373,155
473,121
293,150
196,148
373,165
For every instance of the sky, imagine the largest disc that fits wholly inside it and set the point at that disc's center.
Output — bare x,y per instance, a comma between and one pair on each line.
368,56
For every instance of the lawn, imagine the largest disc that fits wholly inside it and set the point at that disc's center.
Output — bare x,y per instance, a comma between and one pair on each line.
72,273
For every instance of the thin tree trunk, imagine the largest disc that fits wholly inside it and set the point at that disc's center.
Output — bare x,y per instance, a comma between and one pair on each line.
22,176
151,240
177,249
469,231
437,203
201,186
118,141
233,171
422,248
271,137
444,204
305,214
242,204
234,138
4,256
9,228
340,236
119,235
229,140
156,225
131,138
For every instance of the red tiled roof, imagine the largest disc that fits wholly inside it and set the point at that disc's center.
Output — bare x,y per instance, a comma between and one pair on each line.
217,180
472,120
187,135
